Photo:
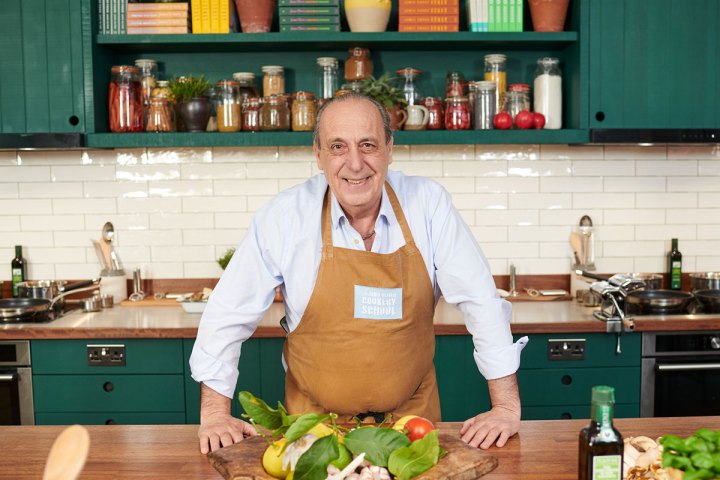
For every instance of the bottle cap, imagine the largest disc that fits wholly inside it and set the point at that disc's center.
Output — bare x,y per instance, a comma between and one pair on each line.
603,394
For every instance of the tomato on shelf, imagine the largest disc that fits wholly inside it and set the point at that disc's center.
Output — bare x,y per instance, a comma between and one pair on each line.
524,119
503,121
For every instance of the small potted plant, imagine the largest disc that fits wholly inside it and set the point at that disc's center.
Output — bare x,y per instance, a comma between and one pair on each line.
192,102
382,90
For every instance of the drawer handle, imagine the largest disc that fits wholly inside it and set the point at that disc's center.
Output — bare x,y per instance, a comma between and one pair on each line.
108,387
566,379
565,416
110,421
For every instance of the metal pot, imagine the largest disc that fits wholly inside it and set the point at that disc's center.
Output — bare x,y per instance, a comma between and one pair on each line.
709,300
653,281
705,281
18,309
657,301
49,289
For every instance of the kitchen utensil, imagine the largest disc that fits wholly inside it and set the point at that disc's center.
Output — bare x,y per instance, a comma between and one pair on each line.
705,281
513,290
68,454
653,281
138,293
91,304
107,300
20,308
100,252
108,233
577,245
48,289
657,301
627,283
709,300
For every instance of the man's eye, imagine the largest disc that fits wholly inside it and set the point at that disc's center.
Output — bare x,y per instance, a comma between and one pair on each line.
367,146
335,147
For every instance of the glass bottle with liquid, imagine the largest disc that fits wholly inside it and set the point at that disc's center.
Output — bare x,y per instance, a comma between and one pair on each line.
600,444
675,266
18,269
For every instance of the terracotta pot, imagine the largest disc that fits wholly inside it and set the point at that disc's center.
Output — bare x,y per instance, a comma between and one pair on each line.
256,16
195,113
368,15
397,117
548,15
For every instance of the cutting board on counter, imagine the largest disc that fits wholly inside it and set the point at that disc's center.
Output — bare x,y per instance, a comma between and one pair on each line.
151,302
243,461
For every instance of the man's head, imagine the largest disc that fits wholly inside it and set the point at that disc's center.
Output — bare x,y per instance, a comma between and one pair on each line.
353,146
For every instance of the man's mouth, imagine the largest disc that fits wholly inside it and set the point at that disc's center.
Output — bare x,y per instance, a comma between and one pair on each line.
355,182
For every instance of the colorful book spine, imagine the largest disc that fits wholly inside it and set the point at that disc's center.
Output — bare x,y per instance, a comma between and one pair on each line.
157,22
429,27
312,20
294,3
153,30
310,28
308,11
196,16
137,7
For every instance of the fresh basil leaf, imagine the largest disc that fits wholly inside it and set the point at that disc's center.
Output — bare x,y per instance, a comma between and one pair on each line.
303,424
418,457
377,443
259,411
701,460
312,464
698,474
673,442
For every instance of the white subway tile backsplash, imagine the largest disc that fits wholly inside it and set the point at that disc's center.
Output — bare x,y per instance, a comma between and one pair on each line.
631,152
457,185
152,238
25,206
55,223
245,187
278,170
666,168
178,253
666,200
506,217
246,155
571,152
539,168
651,232
475,169
49,157
215,204
8,158
115,189
605,232
467,216
59,255
51,190
697,152
163,221
507,185
705,199
634,249
486,234
148,205
511,250
634,184
233,220
709,167
693,184
601,200
603,168
146,173
634,217
709,232
9,190
296,154
180,188
97,205
571,184
480,201
158,156
25,173
420,153
507,152
569,217
536,233
82,173
697,216
400,153
201,270
541,201
211,171
425,169
225,237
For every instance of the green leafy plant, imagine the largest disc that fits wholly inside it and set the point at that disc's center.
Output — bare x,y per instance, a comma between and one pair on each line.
186,87
225,259
383,90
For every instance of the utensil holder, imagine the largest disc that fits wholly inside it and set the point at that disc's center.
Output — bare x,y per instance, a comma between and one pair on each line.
115,285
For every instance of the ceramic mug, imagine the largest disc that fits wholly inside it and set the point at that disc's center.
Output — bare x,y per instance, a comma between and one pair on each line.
417,117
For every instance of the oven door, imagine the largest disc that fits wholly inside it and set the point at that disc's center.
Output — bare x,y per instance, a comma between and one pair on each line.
16,400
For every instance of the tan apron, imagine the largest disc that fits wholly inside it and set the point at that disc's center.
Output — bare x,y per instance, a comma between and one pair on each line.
347,365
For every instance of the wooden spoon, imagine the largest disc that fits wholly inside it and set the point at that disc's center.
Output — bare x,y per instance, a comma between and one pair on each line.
68,454
577,245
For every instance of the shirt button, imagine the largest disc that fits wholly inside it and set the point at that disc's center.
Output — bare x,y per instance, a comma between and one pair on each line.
357,241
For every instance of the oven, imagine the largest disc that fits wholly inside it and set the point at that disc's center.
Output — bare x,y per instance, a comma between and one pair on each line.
16,395
680,374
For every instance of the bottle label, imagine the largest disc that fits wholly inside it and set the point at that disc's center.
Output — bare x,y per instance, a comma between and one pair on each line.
606,467
17,277
675,274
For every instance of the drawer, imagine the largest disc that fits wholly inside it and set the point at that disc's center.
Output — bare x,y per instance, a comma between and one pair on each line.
599,351
109,393
141,356
559,412
111,418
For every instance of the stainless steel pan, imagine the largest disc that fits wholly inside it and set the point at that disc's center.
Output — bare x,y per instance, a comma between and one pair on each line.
709,299
23,308
658,301
705,281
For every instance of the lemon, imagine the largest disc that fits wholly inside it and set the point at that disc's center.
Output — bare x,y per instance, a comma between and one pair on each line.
343,459
400,424
290,476
321,430
272,459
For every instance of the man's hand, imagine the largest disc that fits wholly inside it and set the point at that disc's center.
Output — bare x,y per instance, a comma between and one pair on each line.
217,427
503,419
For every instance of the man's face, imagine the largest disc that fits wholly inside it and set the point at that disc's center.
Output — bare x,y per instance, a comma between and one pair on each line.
353,154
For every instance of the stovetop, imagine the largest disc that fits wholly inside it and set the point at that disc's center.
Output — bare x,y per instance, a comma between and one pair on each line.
41,317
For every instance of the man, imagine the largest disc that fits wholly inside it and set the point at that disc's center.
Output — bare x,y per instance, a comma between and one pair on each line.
361,255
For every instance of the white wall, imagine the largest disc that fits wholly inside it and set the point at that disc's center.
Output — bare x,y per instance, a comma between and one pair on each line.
175,211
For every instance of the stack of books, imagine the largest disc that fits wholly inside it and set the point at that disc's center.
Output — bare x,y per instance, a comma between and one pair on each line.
111,16
309,15
213,16
154,18
429,16
495,15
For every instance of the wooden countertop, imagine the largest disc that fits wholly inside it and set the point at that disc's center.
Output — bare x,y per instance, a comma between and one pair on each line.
172,322
543,450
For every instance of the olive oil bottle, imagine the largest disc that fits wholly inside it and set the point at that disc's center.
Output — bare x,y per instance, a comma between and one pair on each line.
601,445
675,266
18,269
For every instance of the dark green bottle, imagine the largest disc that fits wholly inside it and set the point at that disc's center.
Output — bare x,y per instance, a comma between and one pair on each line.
675,266
601,445
18,269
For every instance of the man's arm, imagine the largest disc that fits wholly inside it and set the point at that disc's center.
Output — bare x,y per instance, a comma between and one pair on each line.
217,427
503,419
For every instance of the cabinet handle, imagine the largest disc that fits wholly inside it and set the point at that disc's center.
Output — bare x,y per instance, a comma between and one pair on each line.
108,387
687,367
10,377
566,380
110,421
565,416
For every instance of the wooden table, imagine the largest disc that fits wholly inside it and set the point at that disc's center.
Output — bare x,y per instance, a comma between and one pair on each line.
543,450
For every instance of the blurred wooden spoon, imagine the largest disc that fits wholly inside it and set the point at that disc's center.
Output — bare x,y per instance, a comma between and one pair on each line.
577,246
68,454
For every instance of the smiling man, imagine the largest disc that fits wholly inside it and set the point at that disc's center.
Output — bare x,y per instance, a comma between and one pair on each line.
361,255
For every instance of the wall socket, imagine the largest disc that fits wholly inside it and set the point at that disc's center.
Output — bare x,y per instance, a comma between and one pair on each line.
106,355
566,349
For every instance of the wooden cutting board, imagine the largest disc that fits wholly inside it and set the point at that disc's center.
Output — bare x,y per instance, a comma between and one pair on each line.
243,461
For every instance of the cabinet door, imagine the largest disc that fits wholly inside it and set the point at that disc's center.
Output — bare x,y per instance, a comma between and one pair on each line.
654,64
41,66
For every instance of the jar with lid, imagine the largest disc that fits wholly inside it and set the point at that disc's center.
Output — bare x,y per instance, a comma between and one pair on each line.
457,113
547,89
327,77
436,120
273,80
251,114
227,106
496,71
454,84
274,114
408,78
304,112
354,86
148,77
514,104
161,116
524,90
125,106
484,111
161,90
358,65
246,85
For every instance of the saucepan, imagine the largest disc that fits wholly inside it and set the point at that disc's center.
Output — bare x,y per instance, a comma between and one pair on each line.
657,301
709,300
653,281
49,289
22,308
705,281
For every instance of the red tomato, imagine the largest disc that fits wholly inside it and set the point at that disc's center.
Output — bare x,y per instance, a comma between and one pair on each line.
524,120
503,121
418,427
538,120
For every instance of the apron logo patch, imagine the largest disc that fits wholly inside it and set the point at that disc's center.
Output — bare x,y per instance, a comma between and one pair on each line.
373,303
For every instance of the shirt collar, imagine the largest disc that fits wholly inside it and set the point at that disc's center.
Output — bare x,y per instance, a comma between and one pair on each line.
386,211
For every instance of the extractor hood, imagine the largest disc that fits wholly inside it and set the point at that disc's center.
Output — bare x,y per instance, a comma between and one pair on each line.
655,135
33,141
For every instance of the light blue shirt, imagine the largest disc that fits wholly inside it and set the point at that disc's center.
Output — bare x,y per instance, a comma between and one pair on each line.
283,247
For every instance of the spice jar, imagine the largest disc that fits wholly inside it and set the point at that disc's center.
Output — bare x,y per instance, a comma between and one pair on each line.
457,113
125,107
548,91
246,85
161,90
327,77
358,65
454,84
273,80
354,86
495,71
513,103
435,113
484,111
304,112
408,77
524,90
227,106
274,114
148,77
251,115
161,117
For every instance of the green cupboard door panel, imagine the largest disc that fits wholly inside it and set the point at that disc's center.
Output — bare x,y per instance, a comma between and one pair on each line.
249,377
565,412
599,351
36,66
110,418
12,75
272,373
192,388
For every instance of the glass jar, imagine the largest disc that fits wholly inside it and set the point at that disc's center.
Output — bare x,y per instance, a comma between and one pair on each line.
274,114
524,89
408,78
513,103
327,77
354,86
161,116
457,113
273,80
125,106
484,112
227,106
547,89
148,77
251,115
454,84
495,71
304,112
246,85
436,120
161,90
358,65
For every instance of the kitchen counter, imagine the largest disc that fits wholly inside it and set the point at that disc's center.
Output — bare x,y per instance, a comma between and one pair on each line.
543,450
172,322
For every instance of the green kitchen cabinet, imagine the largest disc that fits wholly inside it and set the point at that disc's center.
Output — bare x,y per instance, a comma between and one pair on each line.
42,61
654,64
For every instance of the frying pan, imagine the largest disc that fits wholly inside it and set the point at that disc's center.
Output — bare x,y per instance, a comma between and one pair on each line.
658,301
27,307
709,299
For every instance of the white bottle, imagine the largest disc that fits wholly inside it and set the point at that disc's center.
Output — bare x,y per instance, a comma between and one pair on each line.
548,92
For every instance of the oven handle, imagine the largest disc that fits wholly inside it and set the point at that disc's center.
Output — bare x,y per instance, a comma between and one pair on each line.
685,367
8,377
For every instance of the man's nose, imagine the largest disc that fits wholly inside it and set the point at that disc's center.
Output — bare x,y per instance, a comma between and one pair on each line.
355,159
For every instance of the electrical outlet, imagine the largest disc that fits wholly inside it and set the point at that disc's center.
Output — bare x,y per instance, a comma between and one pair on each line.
566,349
106,355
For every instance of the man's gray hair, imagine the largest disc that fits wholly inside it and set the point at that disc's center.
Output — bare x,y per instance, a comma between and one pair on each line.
349,97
